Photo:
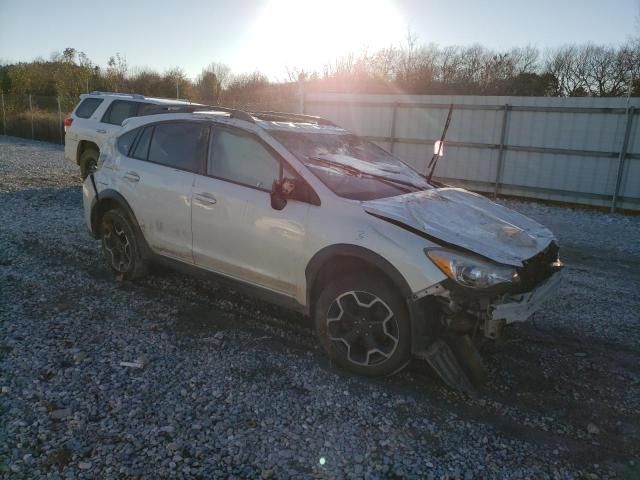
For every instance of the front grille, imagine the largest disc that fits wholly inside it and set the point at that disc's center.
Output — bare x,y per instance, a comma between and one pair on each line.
538,268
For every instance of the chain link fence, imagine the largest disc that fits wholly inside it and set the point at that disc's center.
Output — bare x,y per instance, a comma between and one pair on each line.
35,116
42,117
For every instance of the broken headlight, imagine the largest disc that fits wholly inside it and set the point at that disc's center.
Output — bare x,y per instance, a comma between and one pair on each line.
472,271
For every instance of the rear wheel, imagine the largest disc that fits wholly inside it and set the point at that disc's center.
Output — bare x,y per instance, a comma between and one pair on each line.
88,162
363,324
120,245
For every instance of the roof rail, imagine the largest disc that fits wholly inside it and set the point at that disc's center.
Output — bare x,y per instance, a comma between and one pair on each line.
155,109
168,108
292,117
122,94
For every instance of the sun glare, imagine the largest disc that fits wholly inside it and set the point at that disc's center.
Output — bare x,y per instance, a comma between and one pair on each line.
310,34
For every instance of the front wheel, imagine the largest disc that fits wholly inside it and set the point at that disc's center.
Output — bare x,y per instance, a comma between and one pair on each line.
120,245
363,324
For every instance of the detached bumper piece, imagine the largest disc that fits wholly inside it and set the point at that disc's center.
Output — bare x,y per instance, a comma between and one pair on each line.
519,308
457,362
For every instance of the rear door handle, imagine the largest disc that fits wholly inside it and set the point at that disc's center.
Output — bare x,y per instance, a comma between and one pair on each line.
132,176
101,130
205,198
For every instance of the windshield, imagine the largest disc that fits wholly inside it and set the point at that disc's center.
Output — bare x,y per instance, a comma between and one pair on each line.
351,166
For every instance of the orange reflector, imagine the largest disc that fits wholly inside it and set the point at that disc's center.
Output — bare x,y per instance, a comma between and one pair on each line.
442,263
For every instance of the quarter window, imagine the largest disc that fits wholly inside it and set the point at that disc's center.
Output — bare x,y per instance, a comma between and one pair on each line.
239,158
87,107
119,110
179,145
142,147
125,141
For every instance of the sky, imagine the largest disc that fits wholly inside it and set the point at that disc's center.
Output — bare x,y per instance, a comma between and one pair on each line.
272,36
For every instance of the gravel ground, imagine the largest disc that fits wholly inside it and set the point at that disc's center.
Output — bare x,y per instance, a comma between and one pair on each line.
231,387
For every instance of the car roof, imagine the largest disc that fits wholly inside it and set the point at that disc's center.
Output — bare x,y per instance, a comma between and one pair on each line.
137,97
248,121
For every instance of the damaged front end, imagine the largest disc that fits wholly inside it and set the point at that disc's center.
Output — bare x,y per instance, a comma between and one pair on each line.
499,265
475,304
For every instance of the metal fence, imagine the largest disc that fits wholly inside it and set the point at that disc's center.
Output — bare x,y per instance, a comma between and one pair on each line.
35,116
574,150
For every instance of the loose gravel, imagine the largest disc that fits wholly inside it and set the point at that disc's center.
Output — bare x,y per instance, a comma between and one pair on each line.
216,384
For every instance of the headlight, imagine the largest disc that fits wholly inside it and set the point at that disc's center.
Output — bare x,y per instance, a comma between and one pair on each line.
472,271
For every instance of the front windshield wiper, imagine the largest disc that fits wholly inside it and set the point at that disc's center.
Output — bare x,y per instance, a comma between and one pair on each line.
356,172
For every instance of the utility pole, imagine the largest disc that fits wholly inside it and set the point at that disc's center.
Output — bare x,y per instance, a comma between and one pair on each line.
177,88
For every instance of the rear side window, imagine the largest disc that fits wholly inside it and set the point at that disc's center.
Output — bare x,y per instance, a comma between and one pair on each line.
179,145
87,107
126,141
119,110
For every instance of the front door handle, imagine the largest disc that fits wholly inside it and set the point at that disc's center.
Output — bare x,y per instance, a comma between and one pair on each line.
205,198
132,176
101,130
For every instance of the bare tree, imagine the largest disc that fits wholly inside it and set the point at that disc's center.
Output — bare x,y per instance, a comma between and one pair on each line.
211,82
116,71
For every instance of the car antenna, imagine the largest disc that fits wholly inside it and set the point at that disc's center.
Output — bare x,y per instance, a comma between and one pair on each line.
437,153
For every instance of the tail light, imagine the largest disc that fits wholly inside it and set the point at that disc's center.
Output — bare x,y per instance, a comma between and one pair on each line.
67,123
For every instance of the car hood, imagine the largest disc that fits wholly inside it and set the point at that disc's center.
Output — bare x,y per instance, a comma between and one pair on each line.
468,220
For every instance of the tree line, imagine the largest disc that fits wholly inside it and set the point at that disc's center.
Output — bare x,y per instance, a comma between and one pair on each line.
572,70
567,71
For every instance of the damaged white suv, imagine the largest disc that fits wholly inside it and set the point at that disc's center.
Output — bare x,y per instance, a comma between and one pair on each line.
99,115
387,264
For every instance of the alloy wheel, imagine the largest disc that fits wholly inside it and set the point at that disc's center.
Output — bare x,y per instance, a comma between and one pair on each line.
364,326
117,243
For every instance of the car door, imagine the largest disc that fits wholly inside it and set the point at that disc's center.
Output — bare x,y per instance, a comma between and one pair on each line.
235,230
156,178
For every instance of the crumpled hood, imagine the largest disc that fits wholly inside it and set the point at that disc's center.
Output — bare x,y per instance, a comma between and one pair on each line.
468,220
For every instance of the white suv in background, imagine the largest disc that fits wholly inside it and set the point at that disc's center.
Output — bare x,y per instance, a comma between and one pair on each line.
311,216
98,115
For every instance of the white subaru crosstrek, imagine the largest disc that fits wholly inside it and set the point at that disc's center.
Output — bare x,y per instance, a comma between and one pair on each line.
387,264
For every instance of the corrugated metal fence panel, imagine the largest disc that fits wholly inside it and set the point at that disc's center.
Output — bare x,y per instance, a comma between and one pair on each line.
554,148
631,175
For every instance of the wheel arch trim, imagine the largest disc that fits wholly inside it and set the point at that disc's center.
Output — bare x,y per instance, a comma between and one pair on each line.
110,195
320,259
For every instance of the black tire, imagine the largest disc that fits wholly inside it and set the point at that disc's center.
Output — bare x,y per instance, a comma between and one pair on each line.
88,162
362,323
121,246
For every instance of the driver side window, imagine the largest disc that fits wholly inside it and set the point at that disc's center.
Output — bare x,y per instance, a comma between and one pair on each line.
242,159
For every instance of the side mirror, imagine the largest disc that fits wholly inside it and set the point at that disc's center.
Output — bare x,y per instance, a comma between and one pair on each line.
281,192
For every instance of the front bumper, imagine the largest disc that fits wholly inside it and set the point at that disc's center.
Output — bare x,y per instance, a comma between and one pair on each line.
519,307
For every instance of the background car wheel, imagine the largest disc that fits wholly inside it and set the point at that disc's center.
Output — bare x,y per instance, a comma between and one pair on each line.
363,324
120,245
88,162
